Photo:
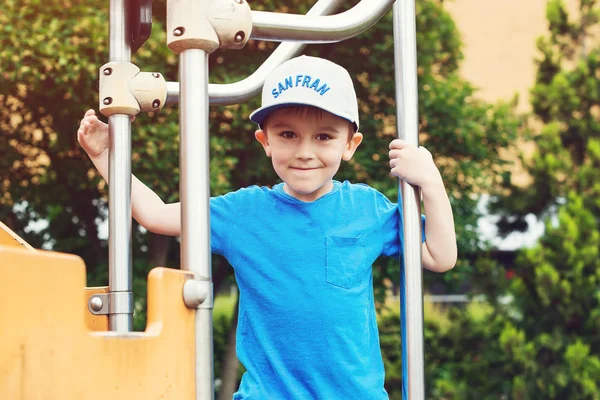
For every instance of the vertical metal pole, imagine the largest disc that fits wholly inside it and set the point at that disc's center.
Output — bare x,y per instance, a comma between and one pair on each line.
195,194
119,191
407,111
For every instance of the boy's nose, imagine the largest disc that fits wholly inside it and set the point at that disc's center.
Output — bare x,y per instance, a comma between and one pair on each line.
305,150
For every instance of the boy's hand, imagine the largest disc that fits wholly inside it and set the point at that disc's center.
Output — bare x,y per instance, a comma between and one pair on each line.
93,135
413,164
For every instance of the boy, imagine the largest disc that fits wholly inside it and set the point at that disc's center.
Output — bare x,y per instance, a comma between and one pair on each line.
302,251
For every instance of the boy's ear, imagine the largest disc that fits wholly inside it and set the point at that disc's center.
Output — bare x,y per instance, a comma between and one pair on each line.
261,136
352,145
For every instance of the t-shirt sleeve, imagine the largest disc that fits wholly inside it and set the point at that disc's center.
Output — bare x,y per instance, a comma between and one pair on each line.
223,212
393,227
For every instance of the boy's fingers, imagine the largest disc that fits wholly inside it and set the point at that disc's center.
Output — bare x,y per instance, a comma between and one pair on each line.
90,112
89,120
399,144
424,149
396,142
396,153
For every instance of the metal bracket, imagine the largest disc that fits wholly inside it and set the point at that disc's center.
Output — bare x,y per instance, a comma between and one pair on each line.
150,90
107,303
126,90
198,294
98,304
208,24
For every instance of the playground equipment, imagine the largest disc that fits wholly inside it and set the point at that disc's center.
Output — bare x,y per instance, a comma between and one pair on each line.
60,325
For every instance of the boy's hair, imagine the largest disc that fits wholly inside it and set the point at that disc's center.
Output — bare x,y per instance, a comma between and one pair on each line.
308,110
309,81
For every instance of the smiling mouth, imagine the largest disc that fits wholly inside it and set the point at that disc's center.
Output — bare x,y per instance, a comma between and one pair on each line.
303,169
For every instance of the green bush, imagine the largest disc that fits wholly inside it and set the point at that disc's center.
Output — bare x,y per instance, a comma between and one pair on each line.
463,357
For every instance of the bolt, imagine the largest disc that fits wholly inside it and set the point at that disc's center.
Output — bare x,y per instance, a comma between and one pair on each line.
96,304
239,37
156,103
179,31
239,1
107,71
156,74
107,101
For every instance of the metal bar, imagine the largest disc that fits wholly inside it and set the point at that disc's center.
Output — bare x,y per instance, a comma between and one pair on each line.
119,190
407,107
451,298
240,92
195,194
308,29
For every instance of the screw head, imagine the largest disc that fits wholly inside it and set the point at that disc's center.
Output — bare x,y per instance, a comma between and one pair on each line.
107,101
156,103
96,304
179,31
239,37
239,1
156,74
107,71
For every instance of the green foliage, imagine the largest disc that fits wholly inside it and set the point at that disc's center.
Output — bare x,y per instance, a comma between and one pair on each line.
552,323
556,292
566,100
463,357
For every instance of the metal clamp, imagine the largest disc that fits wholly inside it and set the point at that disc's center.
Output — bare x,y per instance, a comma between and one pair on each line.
198,294
111,303
208,24
150,90
126,90
115,97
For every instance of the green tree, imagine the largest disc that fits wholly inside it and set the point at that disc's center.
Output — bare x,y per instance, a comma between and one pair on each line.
554,337
565,102
552,323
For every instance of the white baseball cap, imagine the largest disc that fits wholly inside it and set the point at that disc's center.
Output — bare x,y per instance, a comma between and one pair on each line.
309,81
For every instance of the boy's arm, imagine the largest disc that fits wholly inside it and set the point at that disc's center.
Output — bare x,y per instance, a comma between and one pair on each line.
147,208
439,248
415,165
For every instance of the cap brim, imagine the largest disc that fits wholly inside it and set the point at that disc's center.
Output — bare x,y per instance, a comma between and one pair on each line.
259,115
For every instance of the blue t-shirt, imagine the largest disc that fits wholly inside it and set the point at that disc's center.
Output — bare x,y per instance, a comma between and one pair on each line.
307,326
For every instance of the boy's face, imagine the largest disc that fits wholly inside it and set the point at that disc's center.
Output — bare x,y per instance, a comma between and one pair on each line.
306,148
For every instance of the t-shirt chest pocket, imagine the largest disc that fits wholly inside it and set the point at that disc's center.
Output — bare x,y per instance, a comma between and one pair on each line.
346,261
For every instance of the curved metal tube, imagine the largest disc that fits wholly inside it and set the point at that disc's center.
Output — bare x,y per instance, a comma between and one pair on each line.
241,91
323,29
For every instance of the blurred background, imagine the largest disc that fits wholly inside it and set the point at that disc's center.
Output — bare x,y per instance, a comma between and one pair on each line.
509,104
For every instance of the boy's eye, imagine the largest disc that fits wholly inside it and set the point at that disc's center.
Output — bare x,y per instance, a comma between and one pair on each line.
287,135
323,136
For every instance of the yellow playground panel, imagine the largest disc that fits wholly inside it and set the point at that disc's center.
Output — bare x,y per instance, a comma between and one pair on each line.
9,238
52,347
